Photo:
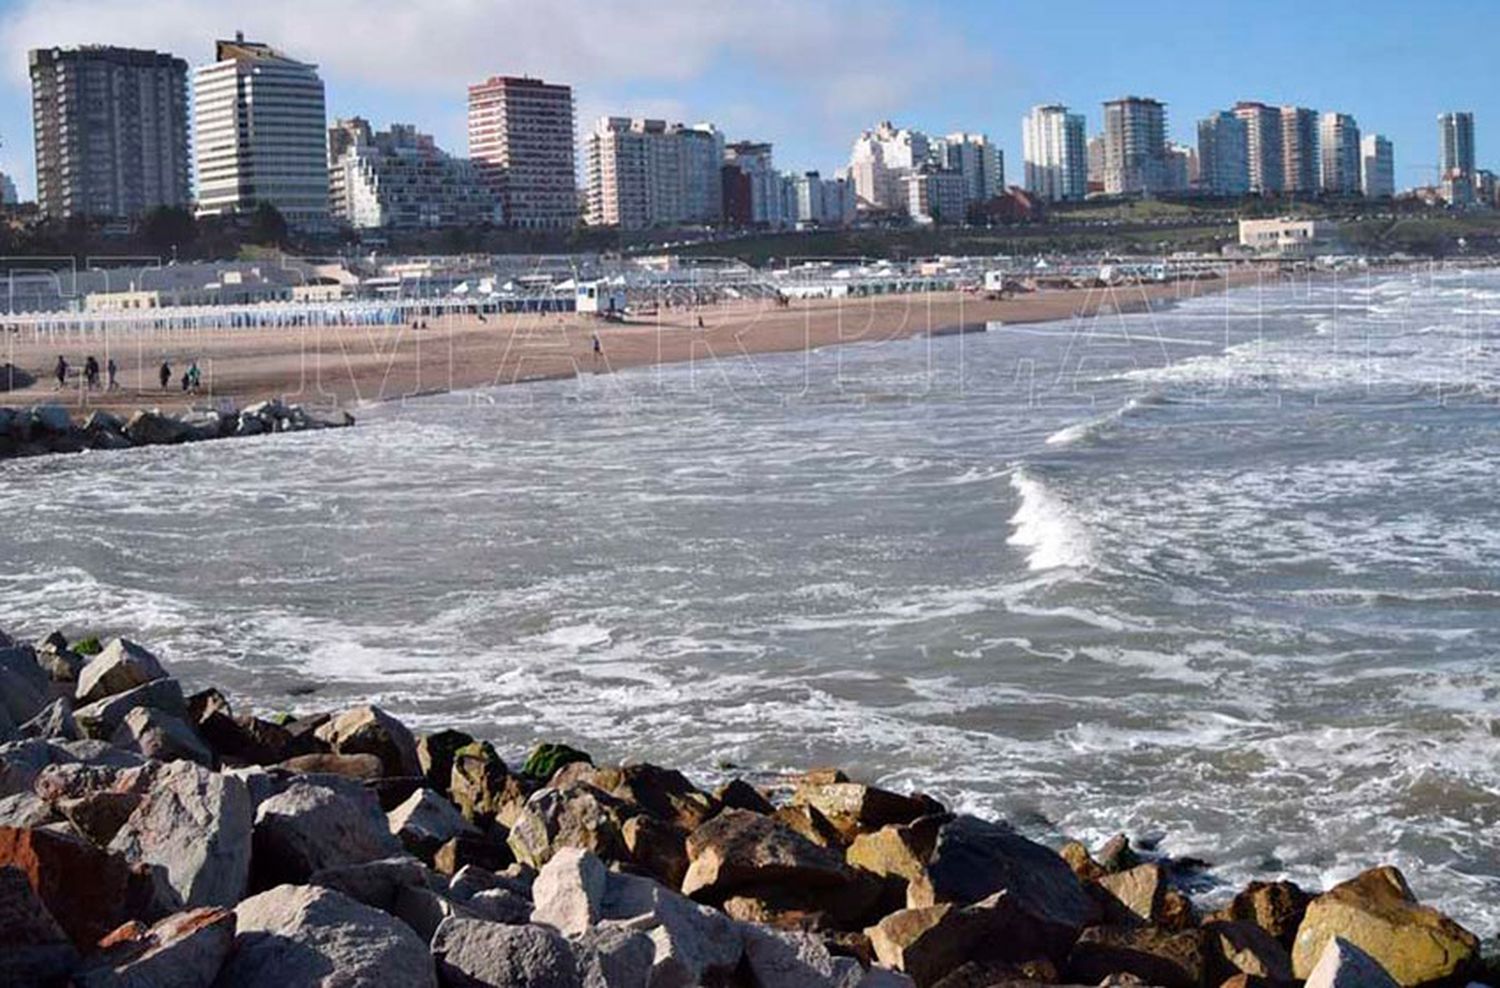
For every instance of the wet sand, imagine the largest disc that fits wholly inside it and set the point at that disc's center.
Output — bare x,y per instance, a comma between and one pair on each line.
328,368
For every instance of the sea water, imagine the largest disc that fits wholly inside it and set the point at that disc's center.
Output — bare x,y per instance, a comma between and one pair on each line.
1223,577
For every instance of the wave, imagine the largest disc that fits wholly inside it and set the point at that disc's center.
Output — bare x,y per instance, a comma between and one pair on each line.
1094,428
1048,526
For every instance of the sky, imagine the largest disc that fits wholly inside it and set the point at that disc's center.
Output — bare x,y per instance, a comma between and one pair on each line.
809,75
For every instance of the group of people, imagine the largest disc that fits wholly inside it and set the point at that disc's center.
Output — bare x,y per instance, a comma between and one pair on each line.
91,373
192,378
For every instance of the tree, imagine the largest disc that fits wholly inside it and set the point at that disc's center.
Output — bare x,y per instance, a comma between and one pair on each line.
267,226
166,230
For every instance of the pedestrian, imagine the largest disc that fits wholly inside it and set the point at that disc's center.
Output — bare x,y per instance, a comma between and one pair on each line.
195,377
185,380
165,374
113,369
598,348
61,372
91,372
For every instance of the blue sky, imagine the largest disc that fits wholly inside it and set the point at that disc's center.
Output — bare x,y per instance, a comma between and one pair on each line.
809,74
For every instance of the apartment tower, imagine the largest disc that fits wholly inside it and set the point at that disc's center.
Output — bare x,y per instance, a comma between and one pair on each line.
1377,167
261,135
1301,162
521,137
647,173
1263,146
1223,155
1135,146
1456,145
111,131
1055,153
1339,138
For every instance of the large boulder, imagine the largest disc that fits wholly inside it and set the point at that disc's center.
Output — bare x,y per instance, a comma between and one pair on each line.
568,894
185,950
973,859
427,821
193,828
1144,894
476,953
87,890
796,960
1276,907
612,955
435,753
1377,913
304,935
102,718
930,942
855,808
25,688
371,731
1343,965
55,722
739,849
576,816
159,735
123,665
376,883
543,760
34,950
899,850
657,847
693,943
664,794
478,781
310,827
1157,957
1240,947
51,418
152,428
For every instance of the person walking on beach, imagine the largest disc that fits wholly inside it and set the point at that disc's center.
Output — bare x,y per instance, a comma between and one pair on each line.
113,370
598,350
194,377
165,374
61,372
91,372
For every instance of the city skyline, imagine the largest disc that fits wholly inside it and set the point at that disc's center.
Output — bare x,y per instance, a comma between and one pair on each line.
750,88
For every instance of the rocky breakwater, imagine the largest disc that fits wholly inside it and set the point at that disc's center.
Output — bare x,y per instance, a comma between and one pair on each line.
150,837
42,429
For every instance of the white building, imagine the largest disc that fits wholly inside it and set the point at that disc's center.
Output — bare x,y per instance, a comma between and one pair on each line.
977,159
1302,163
521,136
1456,144
935,195
646,173
1055,153
1377,167
260,135
1263,146
1289,237
400,180
1338,136
823,202
880,162
1135,146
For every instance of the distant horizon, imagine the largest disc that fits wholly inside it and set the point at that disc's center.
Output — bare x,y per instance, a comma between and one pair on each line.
809,78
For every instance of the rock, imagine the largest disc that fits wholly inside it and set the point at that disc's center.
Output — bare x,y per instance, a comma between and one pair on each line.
473,952
375,883
426,821
579,816
310,827
500,905
477,781
741,795
657,847
193,828
569,892
1377,913
1077,855
812,824
83,888
1157,957
25,689
854,808
58,661
185,950
929,942
471,880
98,816
155,429
242,740
492,854
363,767
123,665
1142,894
160,736
1276,907
1343,965
55,722
26,809
1116,854
795,960
100,720
897,849
693,943
1240,947
303,735
51,418
424,910
304,935
613,956
371,731
543,761
663,793
435,756
739,849
973,859
34,950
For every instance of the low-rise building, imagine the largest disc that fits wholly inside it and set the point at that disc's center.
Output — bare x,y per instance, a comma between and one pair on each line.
1288,237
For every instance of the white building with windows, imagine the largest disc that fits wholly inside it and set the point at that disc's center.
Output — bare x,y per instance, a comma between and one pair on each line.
1377,167
260,135
648,173
1135,146
823,202
880,163
1338,139
400,180
521,137
1056,153
936,196
977,159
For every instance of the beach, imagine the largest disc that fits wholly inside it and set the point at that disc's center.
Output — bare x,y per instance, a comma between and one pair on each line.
331,368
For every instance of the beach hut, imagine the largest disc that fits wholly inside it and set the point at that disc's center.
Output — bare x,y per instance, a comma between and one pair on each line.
600,298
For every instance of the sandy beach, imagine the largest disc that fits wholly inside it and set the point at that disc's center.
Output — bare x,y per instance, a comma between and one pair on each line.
345,367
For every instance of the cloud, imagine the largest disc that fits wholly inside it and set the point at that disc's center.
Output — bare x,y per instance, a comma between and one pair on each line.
824,68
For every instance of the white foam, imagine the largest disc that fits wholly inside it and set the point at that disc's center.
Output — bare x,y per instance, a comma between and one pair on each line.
1047,526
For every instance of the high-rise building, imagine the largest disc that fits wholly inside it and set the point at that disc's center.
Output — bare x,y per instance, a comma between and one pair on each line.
1456,145
1301,162
111,131
1055,152
1097,158
1339,138
753,193
400,180
1263,146
1135,146
261,135
1377,167
1223,155
1181,168
881,160
935,195
646,173
521,137
826,202
975,158
8,194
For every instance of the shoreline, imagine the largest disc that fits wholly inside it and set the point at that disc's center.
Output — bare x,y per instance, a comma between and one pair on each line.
143,829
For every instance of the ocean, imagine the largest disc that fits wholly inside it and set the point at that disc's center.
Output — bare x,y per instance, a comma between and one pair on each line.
1223,577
